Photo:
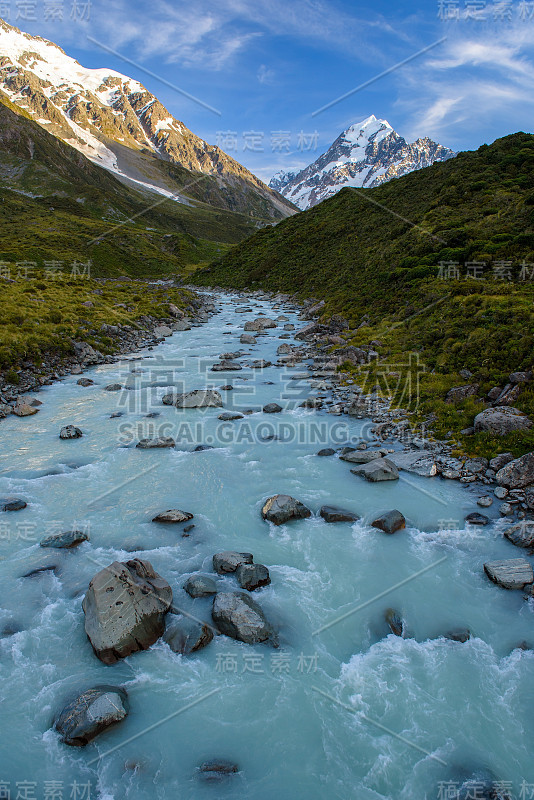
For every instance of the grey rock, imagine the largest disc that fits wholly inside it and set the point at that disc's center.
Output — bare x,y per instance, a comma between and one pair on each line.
230,416
514,573
113,387
217,770
237,615
520,377
500,492
379,470
272,408
475,518
186,635
70,432
529,498
199,398
85,382
125,607
252,576
335,514
327,451
156,444
162,331
518,473
419,463
226,366
390,522
173,516
522,534
485,502
91,713
200,586
394,621
500,461
64,540
282,508
460,393
229,561
461,635
506,510
361,456
12,504
247,338
501,420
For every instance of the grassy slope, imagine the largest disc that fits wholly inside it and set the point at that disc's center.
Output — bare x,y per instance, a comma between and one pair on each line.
55,203
359,252
44,314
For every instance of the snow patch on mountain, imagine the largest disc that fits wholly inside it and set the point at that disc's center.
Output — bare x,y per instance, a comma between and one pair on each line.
367,154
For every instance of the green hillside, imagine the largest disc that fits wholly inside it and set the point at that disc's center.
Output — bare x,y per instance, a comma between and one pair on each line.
57,205
404,254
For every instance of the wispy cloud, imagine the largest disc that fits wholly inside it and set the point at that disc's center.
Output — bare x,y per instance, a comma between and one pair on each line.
483,76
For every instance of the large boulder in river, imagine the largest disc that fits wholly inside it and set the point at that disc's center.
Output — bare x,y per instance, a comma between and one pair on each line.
361,456
522,534
501,420
518,473
12,504
260,324
281,508
381,469
200,586
237,615
199,398
247,338
125,608
514,573
91,713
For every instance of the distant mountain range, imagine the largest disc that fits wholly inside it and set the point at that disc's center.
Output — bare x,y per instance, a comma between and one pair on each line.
119,125
366,155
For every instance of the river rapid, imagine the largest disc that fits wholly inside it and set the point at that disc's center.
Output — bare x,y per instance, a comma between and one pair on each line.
343,708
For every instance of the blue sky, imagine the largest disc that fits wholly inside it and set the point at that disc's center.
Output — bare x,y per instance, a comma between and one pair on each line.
267,65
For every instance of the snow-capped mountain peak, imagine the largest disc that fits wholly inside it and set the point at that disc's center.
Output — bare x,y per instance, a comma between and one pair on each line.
114,121
367,154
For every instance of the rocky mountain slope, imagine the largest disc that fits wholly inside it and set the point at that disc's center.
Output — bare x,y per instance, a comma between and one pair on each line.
119,125
367,154
57,206
435,269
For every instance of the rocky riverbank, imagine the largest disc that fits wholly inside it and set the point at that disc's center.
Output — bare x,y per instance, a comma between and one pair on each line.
143,332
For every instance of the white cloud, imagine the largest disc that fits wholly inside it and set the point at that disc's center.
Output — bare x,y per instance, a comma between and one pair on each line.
266,75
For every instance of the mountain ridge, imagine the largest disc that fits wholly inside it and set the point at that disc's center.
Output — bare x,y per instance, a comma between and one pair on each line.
365,155
117,123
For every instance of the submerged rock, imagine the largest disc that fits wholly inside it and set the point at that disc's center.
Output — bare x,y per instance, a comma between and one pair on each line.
217,770
156,444
113,387
390,522
125,607
459,635
282,507
85,382
514,573
327,451
475,518
185,635
238,616
64,540
91,713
